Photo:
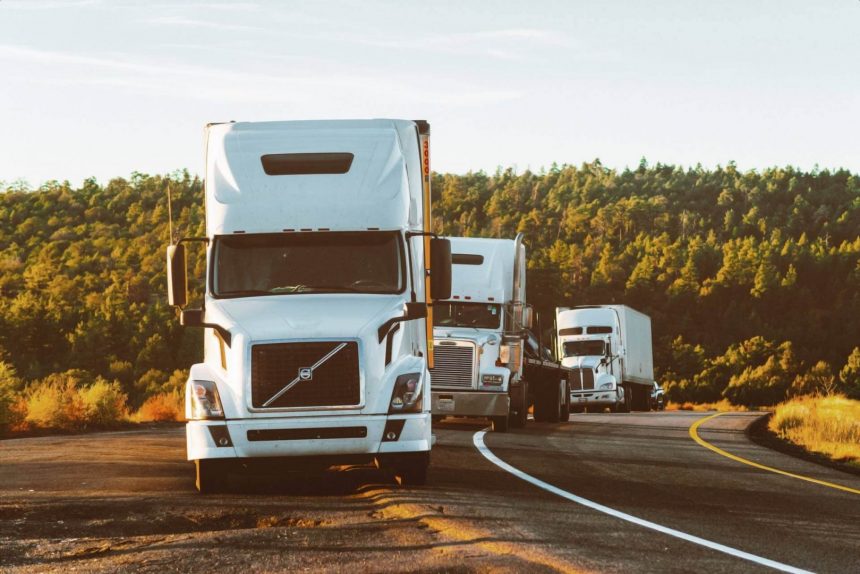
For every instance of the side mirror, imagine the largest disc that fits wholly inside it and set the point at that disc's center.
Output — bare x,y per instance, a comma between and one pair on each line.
440,268
528,317
177,280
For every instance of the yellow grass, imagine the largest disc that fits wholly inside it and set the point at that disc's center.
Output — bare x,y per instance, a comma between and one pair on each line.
722,406
827,425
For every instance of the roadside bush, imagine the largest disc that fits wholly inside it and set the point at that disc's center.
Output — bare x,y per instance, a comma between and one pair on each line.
55,403
68,401
828,425
168,406
10,386
104,403
850,374
819,380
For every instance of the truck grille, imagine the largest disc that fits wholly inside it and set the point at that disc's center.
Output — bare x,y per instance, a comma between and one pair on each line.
314,383
454,365
581,379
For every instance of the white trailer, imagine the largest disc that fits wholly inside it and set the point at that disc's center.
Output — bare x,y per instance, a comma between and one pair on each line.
318,336
610,346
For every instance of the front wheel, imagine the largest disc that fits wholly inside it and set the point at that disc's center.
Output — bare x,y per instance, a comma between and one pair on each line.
625,404
565,402
520,414
411,468
500,424
211,476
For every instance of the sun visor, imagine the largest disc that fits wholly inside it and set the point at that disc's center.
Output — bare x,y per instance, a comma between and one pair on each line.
275,176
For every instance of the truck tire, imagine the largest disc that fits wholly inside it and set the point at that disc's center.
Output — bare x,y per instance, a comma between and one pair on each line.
519,418
411,468
500,424
555,405
626,405
211,476
565,402
641,398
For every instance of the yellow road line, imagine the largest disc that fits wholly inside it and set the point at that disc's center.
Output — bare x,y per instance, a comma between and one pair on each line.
694,434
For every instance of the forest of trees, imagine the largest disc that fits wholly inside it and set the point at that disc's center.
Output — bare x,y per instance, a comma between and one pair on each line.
752,279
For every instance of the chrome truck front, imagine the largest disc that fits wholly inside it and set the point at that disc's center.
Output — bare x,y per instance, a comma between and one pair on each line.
455,388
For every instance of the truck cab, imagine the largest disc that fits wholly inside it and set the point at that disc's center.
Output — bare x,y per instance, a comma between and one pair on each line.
317,339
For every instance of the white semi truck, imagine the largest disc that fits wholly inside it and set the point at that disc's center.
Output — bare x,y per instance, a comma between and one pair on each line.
609,347
318,334
487,362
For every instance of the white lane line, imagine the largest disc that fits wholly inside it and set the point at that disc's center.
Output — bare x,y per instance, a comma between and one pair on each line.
478,440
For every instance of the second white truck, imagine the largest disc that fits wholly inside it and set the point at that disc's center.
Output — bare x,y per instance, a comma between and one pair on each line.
609,347
488,363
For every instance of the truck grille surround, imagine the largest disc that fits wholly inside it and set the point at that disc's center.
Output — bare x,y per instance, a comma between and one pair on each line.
581,379
334,382
454,365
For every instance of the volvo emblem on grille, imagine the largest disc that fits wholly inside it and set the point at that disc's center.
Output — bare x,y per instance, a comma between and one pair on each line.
305,373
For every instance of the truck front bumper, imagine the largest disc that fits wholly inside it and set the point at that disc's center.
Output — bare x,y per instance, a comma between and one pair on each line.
470,403
330,436
593,399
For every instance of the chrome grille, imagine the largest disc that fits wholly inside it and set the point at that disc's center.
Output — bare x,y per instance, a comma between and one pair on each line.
454,365
333,383
581,379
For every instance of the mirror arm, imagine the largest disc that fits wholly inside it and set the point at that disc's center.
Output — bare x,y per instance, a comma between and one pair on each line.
185,322
386,327
411,234
412,311
193,240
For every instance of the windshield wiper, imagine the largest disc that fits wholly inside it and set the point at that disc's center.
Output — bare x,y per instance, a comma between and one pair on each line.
310,288
240,292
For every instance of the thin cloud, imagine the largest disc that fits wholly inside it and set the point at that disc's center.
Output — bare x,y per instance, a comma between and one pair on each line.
196,23
197,82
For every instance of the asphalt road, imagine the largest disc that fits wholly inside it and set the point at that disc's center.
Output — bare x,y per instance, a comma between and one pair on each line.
125,501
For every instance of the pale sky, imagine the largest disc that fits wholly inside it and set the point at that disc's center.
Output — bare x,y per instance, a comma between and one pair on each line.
107,87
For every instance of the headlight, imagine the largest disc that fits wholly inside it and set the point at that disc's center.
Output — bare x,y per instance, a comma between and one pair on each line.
205,402
607,386
406,396
492,379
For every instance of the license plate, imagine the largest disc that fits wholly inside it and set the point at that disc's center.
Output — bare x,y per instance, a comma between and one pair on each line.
582,399
445,405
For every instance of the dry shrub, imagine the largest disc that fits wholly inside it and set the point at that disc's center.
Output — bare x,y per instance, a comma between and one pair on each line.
60,402
55,404
827,425
168,406
105,403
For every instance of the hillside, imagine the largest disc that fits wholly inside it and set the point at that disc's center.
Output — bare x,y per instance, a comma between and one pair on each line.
752,279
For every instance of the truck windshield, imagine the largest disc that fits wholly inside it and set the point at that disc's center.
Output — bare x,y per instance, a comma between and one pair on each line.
584,348
308,262
478,315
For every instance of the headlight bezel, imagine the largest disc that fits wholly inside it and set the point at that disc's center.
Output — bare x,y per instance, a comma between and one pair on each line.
205,400
405,399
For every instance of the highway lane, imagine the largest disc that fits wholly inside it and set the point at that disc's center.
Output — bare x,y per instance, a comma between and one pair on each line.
110,501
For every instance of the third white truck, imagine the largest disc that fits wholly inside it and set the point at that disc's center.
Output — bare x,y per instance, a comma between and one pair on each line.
609,346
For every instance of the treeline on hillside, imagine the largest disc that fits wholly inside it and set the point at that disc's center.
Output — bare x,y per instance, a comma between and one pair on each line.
752,279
